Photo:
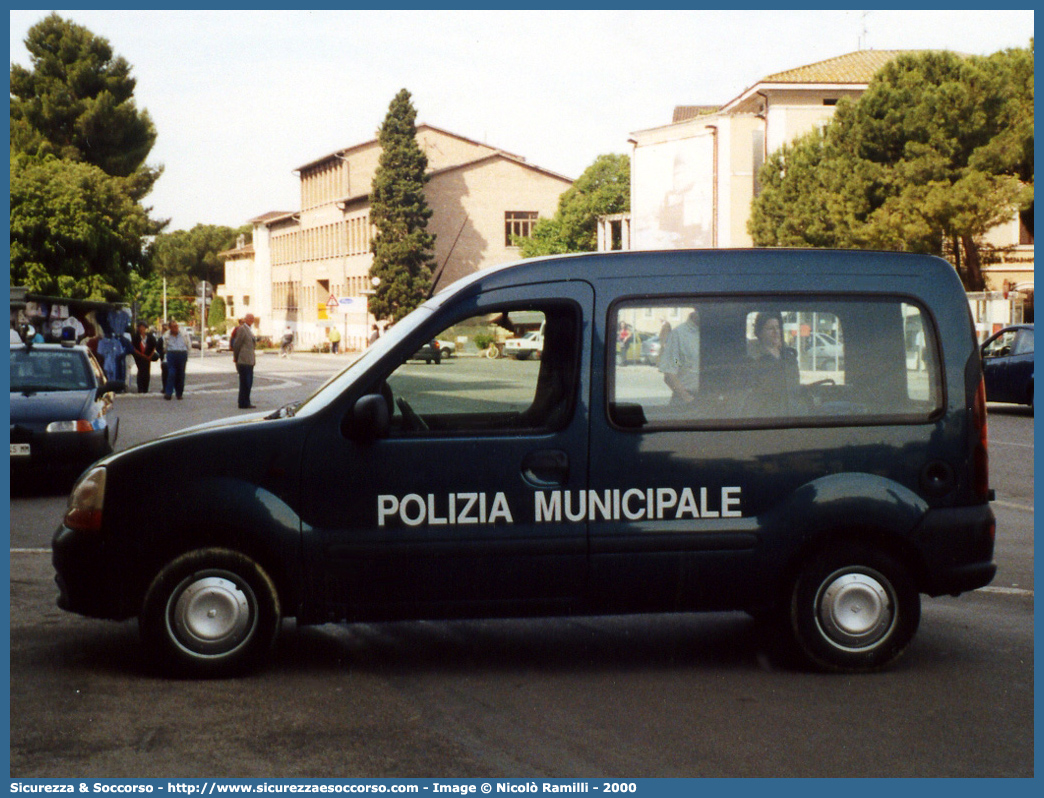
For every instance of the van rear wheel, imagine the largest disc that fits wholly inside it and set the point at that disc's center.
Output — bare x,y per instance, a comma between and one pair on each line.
853,609
209,613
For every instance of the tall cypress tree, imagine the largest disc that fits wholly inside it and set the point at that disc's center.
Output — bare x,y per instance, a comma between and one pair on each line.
402,247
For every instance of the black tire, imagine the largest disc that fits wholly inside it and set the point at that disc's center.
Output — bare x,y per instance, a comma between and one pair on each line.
210,613
853,609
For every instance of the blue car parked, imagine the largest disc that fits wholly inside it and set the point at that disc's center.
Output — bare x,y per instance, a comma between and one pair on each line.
1007,365
62,413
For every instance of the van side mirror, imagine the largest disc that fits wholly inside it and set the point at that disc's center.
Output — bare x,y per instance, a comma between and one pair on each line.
368,419
626,414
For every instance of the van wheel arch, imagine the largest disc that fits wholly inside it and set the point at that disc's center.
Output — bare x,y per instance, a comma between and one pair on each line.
237,543
891,544
852,604
210,612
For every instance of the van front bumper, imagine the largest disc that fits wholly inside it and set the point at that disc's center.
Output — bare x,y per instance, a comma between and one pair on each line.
89,575
957,549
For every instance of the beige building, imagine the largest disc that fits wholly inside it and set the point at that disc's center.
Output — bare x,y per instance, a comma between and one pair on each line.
309,269
693,181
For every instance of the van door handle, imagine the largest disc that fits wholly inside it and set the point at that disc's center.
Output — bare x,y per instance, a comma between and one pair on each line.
546,468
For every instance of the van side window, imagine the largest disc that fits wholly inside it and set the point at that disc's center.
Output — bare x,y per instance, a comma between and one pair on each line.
771,361
480,384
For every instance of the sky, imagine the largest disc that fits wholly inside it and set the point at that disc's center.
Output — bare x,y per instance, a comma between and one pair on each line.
240,99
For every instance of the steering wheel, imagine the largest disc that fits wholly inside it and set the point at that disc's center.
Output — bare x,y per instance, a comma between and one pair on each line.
410,415
812,394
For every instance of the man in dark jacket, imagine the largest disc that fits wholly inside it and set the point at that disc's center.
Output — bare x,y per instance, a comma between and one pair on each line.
143,346
243,356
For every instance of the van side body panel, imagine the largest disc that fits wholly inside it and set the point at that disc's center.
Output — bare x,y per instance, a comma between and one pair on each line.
606,497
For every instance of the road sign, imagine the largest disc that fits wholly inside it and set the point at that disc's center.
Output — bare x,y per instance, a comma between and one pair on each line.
332,303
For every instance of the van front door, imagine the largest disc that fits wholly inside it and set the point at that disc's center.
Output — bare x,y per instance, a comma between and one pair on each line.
450,508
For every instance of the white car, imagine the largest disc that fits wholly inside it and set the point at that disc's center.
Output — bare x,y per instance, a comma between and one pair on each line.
826,352
447,348
530,344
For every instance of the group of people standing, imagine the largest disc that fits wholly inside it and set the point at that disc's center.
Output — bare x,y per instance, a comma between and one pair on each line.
171,349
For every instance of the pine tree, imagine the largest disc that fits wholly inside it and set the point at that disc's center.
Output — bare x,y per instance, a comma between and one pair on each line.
77,102
935,153
78,171
402,247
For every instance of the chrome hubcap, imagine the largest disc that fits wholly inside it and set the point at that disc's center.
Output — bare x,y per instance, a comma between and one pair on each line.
212,614
856,610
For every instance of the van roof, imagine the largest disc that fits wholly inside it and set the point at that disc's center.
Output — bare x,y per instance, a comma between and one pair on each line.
814,266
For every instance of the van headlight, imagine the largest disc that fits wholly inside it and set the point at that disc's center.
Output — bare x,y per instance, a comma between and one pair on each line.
86,502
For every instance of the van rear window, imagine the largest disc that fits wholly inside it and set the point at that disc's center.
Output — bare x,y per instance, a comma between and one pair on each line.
772,361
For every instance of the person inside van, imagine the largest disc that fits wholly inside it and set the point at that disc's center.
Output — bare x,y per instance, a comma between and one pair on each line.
774,379
680,361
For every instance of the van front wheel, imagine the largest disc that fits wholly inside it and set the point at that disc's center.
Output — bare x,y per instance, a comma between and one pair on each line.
853,609
210,612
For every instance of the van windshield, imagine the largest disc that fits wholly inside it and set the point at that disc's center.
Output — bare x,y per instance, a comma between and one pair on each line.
338,383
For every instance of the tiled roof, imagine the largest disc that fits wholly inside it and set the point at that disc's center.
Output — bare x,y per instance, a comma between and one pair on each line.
683,113
858,67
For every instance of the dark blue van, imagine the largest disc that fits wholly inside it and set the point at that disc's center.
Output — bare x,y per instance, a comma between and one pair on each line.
808,445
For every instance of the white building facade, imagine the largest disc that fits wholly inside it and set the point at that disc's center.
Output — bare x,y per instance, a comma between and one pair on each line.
693,181
308,270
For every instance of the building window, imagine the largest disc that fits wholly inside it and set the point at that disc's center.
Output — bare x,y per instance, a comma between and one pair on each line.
518,224
757,157
1025,234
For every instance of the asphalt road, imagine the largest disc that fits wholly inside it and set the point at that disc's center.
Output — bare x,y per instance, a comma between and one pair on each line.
671,696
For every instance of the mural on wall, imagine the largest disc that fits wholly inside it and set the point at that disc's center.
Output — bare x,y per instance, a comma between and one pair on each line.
680,217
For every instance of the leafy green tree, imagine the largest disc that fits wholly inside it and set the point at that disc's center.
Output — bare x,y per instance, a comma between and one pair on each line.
185,258
604,188
189,256
402,248
1010,152
931,157
78,172
75,231
216,315
77,102
147,292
